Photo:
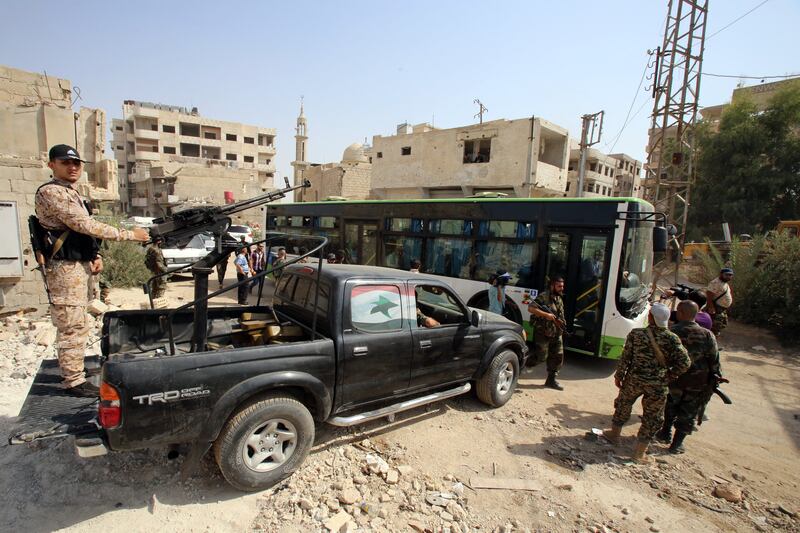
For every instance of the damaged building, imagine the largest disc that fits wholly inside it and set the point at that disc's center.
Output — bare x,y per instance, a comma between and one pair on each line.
36,113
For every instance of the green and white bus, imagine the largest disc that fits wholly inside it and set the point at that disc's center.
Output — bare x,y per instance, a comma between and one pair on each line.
603,247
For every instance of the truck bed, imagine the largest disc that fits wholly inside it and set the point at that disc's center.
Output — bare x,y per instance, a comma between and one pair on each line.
50,412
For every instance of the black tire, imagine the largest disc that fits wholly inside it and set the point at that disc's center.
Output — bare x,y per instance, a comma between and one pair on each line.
240,462
496,386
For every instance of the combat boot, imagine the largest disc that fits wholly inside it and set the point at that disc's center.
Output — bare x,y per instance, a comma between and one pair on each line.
84,390
665,433
551,382
612,435
640,453
677,443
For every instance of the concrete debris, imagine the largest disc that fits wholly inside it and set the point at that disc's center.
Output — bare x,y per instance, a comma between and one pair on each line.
728,492
348,496
337,521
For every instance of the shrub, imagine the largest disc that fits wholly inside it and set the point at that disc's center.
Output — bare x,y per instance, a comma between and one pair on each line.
123,264
765,283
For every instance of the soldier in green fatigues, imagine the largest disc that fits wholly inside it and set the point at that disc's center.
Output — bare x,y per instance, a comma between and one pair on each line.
548,327
155,263
690,392
652,358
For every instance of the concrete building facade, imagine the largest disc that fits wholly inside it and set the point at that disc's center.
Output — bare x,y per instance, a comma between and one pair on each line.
351,178
606,174
521,158
169,156
35,114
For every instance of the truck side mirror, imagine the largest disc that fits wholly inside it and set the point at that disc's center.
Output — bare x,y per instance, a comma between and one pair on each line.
660,238
475,318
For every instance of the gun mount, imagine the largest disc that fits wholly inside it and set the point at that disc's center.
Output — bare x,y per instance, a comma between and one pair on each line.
179,228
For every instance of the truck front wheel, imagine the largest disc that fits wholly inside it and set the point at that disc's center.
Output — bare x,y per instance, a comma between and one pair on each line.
264,442
497,384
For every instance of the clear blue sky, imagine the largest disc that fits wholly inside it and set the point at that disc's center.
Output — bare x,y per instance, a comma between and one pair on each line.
365,67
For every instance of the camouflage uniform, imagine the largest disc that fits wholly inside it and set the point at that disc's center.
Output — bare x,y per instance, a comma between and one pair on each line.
641,374
689,393
155,263
60,207
547,344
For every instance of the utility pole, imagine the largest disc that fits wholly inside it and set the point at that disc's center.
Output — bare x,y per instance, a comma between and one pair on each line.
676,90
481,110
590,135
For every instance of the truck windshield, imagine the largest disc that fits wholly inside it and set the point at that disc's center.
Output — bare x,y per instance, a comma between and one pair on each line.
636,268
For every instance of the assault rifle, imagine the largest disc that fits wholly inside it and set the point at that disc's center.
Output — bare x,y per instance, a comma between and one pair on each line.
560,324
178,229
713,388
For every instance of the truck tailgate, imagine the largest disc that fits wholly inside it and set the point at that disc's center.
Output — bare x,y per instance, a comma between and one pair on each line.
49,412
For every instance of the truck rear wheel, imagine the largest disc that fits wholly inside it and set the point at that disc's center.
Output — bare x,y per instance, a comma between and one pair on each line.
264,442
497,384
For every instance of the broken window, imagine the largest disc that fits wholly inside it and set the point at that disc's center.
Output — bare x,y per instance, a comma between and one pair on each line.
477,150
169,149
248,159
168,129
230,157
190,130
405,150
249,140
230,137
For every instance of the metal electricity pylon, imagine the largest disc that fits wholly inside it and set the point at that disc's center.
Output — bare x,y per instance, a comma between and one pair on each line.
676,90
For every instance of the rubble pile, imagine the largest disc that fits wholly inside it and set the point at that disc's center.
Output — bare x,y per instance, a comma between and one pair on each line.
364,487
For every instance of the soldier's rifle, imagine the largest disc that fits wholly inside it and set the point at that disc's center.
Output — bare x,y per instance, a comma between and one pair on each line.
713,388
36,232
560,324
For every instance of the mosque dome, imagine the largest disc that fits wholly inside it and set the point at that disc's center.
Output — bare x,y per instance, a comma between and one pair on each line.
354,154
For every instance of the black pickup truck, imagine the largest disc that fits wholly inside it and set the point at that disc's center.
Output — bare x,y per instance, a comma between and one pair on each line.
368,343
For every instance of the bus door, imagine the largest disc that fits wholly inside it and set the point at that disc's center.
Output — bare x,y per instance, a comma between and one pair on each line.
361,242
580,256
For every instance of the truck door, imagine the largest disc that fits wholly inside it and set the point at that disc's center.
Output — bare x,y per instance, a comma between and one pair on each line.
447,352
376,342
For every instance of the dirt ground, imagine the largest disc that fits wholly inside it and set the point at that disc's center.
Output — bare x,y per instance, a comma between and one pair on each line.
582,484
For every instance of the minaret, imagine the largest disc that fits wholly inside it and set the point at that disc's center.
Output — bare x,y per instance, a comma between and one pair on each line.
300,164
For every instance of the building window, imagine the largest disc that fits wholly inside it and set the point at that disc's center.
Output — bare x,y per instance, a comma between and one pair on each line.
190,150
380,155
477,150
567,189
190,130
405,150
121,166
155,148
248,159
230,157
590,187
119,128
210,135
230,137
153,127
169,149
593,167
168,129
249,140
120,147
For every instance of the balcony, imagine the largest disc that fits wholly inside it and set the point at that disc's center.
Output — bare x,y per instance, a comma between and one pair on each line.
267,149
263,167
147,155
148,112
139,202
140,133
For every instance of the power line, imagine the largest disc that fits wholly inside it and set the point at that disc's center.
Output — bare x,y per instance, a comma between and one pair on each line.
734,21
630,108
751,77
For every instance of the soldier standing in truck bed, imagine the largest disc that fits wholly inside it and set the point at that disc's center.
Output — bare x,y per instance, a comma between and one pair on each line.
71,255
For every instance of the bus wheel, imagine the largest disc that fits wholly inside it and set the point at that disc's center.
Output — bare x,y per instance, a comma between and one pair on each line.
497,384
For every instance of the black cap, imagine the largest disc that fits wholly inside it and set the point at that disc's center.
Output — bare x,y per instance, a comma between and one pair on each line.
64,151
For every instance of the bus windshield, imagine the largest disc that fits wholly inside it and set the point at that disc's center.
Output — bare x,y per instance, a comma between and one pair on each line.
635,268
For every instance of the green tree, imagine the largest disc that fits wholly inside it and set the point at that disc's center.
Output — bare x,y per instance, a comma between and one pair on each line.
748,172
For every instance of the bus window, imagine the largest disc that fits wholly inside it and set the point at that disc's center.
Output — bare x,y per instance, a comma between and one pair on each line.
327,222
413,225
451,227
518,259
398,251
557,256
509,229
360,242
448,257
